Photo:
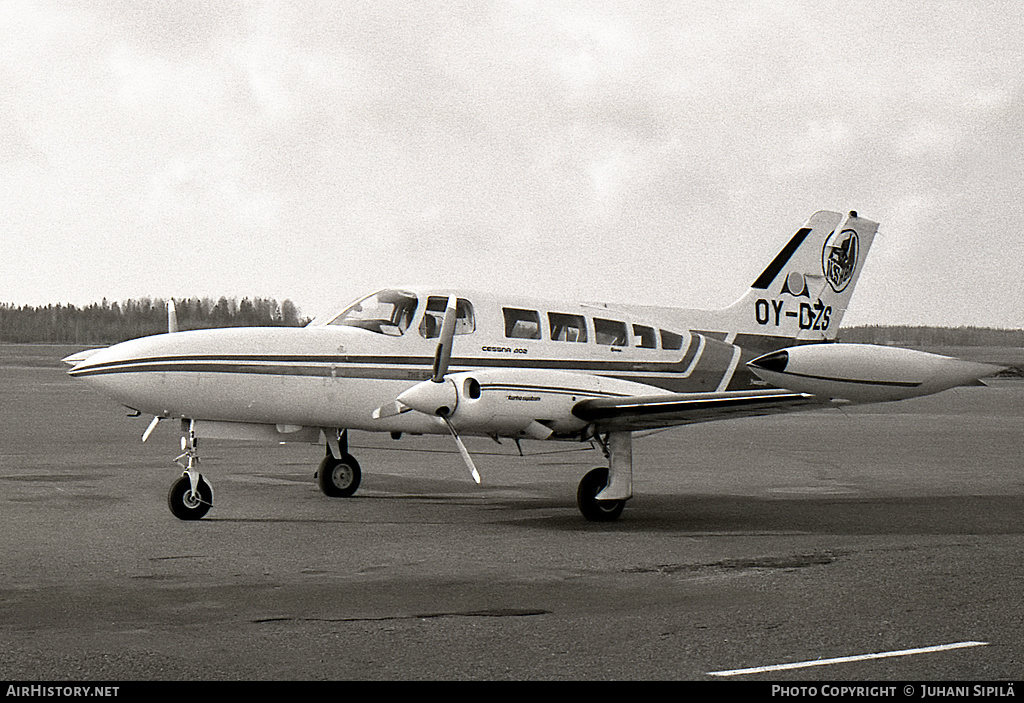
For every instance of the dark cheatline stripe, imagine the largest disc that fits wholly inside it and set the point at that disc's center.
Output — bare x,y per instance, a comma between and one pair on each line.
534,388
334,365
769,274
666,375
361,371
899,384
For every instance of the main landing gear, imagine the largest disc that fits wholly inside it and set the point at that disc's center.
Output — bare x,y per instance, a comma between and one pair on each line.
601,496
191,496
603,492
338,475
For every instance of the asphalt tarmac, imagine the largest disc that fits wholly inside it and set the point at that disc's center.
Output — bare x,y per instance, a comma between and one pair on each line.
749,543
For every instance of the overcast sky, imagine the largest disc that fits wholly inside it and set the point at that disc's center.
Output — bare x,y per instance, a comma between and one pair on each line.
644,152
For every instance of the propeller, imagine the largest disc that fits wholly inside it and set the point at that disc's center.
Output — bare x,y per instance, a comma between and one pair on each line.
438,395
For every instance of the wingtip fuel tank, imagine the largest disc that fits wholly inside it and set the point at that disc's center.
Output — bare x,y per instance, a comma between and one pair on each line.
866,373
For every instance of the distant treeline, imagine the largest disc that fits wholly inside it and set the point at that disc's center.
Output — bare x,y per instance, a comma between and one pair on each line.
933,336
107,323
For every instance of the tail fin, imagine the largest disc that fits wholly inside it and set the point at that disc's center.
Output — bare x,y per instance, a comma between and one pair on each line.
803,293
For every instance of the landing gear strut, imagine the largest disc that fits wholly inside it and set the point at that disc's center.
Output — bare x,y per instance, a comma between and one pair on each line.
338,474
191,496
603,492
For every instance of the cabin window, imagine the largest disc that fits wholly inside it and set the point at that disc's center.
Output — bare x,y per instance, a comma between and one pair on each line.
521,324
671,340
611,332
645,337
567,328
386,312
433,317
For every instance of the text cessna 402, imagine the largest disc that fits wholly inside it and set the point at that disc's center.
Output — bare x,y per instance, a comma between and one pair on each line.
417,361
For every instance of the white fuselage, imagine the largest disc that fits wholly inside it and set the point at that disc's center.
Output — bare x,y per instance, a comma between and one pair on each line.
336,374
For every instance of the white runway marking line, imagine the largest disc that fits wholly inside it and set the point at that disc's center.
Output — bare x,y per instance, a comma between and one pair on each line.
841,660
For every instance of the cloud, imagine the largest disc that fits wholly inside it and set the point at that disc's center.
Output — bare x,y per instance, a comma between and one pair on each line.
647,152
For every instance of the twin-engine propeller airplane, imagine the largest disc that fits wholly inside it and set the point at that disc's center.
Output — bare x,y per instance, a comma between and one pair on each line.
420,361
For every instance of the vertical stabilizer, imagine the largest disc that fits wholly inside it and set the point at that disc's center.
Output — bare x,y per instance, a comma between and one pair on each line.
805,290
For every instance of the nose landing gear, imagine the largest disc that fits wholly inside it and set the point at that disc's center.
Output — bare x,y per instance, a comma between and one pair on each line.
191,496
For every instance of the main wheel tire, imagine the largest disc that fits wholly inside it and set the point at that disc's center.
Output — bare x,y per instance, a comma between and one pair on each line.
338,478
187,505
593,509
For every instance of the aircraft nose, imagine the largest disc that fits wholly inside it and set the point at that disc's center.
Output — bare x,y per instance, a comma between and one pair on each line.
94,361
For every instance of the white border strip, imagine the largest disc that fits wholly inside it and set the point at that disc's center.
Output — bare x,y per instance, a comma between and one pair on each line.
841,660
733,363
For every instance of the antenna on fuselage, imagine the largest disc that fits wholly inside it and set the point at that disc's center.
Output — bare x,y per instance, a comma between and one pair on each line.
172,317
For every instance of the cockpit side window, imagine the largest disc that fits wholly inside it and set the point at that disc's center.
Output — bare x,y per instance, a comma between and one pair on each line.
433,317
521,324
611,332
671,340
386,312
567,328
644,337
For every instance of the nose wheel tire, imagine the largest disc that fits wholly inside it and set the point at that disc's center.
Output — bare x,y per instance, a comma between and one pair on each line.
593,509
338,478
187,505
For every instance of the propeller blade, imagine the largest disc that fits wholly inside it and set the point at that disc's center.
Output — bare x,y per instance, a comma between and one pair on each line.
444,346
152,426
390,410
462,450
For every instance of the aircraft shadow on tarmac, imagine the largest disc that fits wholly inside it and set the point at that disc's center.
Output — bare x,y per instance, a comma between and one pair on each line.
411,500
746,515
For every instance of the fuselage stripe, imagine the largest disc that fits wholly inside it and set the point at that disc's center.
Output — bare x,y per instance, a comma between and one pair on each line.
522,388
402,368
867,382
698,367
730,370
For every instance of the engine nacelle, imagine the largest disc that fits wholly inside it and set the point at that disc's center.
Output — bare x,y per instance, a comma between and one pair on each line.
865,373
515,402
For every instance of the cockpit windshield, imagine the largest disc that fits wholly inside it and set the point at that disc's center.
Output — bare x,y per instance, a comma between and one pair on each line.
385,312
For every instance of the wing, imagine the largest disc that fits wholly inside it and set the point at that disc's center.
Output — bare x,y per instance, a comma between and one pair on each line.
654,411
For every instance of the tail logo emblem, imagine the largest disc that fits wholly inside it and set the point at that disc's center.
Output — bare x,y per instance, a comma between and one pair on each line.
839,258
